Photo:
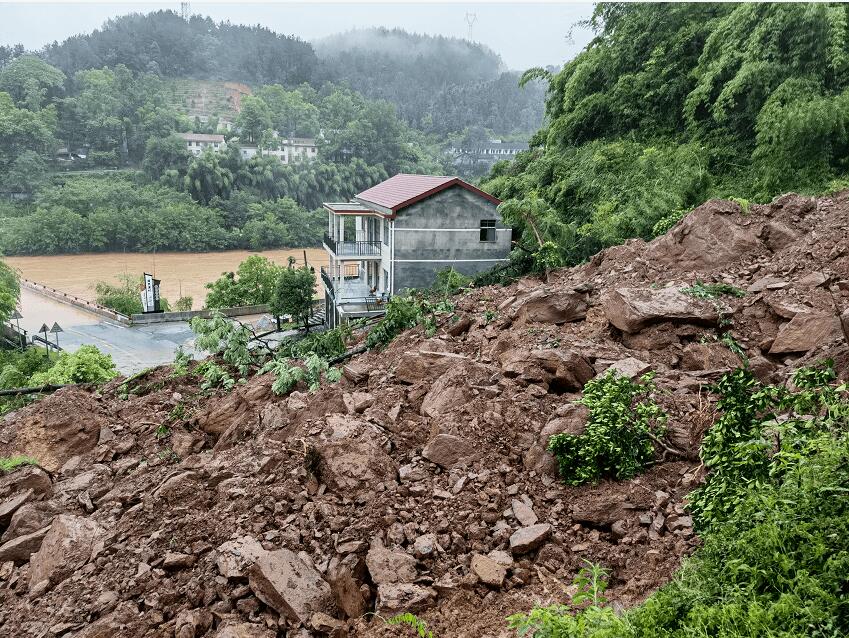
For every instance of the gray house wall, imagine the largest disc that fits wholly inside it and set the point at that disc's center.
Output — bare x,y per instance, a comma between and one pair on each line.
444,231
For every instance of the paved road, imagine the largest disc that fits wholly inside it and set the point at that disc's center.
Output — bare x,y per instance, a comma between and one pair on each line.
132,348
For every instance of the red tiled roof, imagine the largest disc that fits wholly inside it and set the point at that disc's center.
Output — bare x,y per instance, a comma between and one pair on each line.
403,190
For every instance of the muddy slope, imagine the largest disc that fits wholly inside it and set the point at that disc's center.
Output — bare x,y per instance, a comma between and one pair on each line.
419,482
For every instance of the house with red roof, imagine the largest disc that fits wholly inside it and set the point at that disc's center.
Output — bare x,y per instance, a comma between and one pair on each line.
400,233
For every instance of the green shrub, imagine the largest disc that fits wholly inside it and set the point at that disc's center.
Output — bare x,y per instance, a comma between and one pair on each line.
617,441
86,365
9,463
449,282
774,520
663,224
701,290
183,304
402,313
226,337
214,376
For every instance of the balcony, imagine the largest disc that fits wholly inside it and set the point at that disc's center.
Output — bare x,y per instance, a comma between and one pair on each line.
351,293
359,248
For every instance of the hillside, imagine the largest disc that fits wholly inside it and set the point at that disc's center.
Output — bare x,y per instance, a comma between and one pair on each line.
440,85
671,105
420,482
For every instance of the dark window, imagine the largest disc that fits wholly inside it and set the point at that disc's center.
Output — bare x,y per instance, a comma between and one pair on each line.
385,232
487,230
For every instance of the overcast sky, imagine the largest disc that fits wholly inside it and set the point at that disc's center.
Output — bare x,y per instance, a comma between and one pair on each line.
524,34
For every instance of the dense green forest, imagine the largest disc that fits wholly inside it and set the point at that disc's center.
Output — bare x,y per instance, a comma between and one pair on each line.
673,104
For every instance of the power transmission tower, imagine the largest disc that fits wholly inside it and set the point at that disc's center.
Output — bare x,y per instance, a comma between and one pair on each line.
470,20
185,10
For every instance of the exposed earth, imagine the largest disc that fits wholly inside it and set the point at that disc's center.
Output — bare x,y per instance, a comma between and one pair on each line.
420,482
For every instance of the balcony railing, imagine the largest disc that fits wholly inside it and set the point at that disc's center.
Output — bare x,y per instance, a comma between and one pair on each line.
366,248
328,282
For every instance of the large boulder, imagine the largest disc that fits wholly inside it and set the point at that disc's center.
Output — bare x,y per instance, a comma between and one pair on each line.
237,555
398,598
414,367
62,425
350,466
25,478
289,586
560,370
66,547
390,566
710,237
449,392
805,331
527,539
542,306
21,548
632,309
447,450
708,356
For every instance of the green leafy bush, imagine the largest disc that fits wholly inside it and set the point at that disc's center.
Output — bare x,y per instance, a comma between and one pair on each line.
293,294
701,290
663,224
402,313
327,343
226,337
214,376
449,282
86,365
10,463
774,520
617,441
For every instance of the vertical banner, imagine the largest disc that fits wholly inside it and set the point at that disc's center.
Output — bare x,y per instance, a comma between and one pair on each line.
150,295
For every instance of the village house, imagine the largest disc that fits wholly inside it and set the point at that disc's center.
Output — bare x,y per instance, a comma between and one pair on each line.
399,234
197,142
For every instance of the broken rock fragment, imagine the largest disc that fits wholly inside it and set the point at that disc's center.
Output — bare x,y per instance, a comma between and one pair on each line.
289,586
403,597
632,309
390,566
447,450
527,539
66,547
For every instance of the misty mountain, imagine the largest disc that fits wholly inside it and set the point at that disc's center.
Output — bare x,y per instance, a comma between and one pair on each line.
163,43
439,84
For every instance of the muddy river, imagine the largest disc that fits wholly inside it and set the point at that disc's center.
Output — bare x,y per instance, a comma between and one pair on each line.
180,273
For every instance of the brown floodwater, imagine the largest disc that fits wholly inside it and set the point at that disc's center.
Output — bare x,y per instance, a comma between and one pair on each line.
180,273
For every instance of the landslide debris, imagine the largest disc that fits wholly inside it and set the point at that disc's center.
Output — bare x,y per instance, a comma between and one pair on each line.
420,482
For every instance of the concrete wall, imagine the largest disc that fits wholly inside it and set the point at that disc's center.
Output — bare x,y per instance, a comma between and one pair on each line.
443,231
163,317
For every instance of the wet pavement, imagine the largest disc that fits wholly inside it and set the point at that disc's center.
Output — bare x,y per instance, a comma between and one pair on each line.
132,348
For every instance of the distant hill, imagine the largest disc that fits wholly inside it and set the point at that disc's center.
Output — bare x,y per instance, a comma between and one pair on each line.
162,42
439,84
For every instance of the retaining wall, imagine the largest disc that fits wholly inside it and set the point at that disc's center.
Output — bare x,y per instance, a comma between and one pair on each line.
162,317
71,300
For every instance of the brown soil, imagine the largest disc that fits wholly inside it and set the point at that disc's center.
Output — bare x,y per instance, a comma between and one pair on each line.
433,449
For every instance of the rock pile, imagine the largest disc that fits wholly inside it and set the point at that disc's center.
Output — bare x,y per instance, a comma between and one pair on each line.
420,482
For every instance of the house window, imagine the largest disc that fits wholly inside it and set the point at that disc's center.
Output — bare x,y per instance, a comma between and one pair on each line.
487,230
385,232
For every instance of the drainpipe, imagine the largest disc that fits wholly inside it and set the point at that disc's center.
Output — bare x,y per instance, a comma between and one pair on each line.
392,257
